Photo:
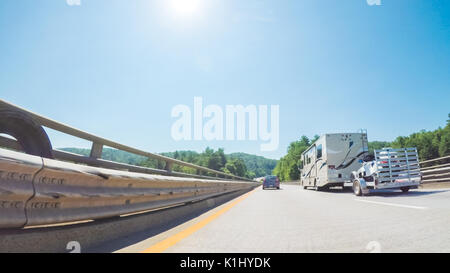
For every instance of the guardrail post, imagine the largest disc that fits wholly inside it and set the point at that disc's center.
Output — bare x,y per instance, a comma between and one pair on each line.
169,166
96,150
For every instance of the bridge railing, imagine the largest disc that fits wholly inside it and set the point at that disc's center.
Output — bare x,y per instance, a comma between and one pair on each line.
38,191
435,170
97,147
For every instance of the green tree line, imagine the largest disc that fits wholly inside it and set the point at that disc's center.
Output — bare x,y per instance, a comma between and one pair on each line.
240,164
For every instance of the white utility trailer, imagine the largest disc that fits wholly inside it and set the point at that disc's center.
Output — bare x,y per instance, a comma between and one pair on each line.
390,169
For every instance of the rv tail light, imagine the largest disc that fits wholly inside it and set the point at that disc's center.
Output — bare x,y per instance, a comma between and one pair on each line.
332,167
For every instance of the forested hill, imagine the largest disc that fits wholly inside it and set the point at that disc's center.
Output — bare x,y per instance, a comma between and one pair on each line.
259,165
240,164
110,154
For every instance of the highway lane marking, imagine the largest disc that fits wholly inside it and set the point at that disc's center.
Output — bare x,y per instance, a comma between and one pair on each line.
391,204
166,243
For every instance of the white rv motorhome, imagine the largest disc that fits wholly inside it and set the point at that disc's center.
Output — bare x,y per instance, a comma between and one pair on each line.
331,159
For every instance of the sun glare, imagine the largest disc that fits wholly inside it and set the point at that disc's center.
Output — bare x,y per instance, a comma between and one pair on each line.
185,7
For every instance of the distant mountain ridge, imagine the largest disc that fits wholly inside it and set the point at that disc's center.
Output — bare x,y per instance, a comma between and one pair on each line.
256,166
260,165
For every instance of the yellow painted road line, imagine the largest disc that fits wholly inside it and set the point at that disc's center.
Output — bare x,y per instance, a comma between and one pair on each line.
166,243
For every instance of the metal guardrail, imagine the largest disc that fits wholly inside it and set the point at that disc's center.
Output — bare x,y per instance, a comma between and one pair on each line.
436,173
40,191
50,189
97,146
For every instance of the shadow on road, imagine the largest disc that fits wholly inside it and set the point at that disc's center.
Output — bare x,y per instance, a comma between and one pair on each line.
384,193
164,220
332,190
397,193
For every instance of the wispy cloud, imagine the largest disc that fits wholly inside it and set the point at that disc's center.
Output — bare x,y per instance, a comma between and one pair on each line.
73,2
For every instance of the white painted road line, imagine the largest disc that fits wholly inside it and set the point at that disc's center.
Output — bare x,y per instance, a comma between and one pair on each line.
390,204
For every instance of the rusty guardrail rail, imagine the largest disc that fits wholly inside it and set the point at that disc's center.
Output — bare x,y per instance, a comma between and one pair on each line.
41,191
97,146
436,173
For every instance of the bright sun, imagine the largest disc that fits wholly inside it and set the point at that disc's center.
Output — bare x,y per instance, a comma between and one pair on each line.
185,7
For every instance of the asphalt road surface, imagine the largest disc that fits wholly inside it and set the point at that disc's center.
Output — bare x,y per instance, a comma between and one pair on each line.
297,220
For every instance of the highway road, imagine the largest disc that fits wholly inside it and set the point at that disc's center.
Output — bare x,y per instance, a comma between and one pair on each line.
297,220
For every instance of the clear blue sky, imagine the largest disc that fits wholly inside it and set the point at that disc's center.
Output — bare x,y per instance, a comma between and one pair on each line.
116,68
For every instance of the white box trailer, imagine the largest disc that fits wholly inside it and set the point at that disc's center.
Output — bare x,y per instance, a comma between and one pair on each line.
331,159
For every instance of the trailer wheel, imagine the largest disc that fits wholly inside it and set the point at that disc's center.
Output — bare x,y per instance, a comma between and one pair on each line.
405,189
357,188
30,135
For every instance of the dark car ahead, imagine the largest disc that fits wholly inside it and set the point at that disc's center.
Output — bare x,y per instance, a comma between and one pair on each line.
271,181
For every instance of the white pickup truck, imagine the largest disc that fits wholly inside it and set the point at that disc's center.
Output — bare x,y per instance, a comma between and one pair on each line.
390,169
